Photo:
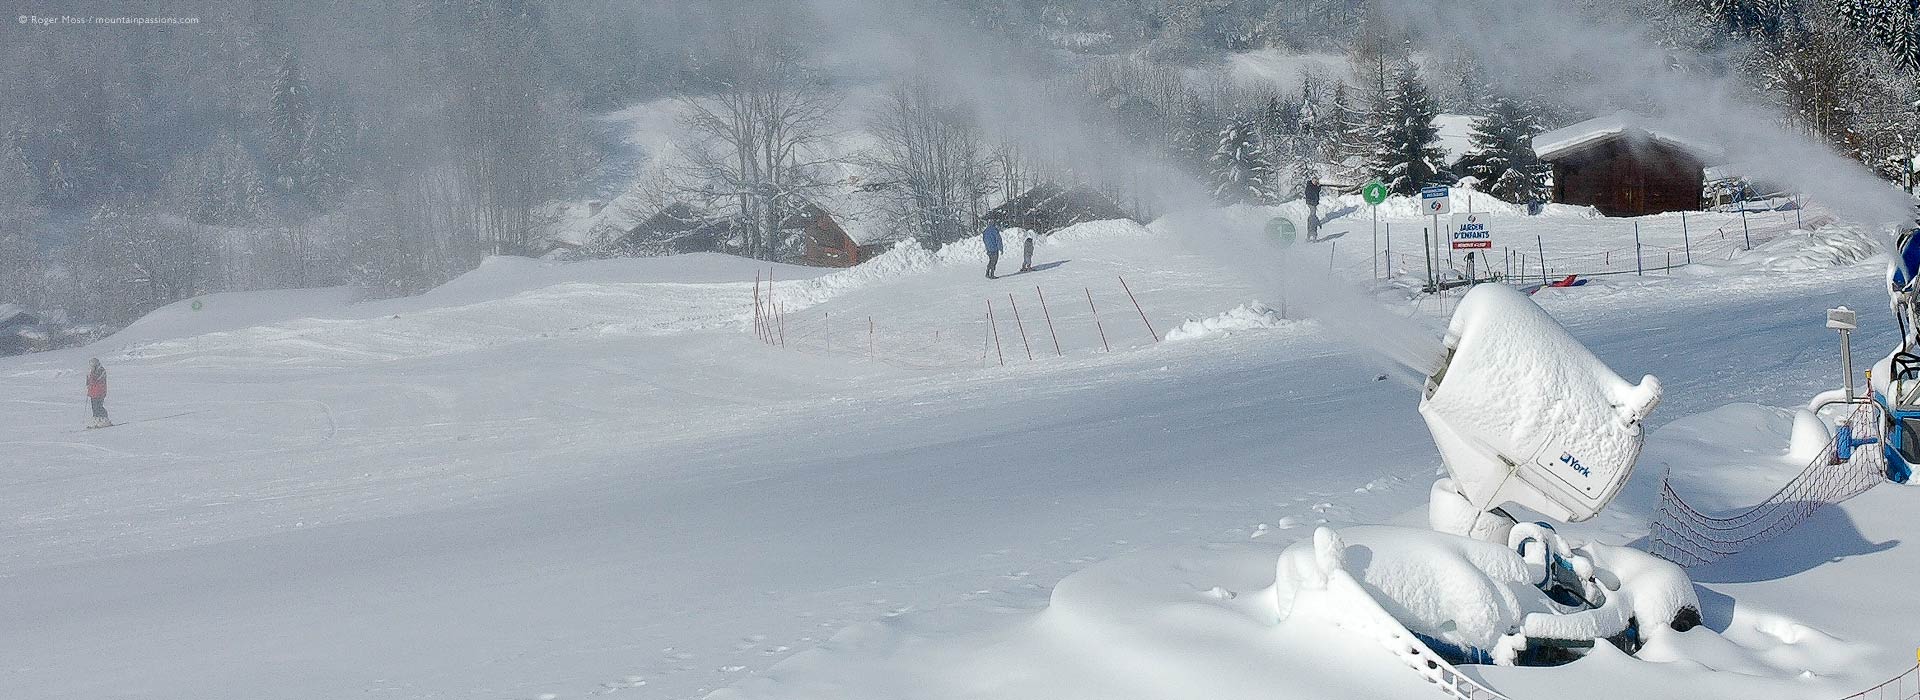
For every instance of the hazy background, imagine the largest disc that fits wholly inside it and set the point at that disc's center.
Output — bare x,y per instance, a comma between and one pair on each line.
392,145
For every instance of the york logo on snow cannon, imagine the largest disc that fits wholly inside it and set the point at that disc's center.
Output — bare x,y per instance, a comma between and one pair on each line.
1573,463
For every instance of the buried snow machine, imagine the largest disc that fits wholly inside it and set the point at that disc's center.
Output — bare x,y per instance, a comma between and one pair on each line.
1523,415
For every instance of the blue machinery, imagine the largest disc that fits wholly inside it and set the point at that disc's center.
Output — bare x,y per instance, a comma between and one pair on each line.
1898,393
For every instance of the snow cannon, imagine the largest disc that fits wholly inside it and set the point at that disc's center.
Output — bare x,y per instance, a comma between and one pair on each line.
1524,414
1895,380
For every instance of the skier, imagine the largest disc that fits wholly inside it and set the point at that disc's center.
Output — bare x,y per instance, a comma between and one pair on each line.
1026,262
992,240
97,394
1313,209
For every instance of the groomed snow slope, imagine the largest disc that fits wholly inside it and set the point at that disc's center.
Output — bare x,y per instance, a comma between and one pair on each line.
577,479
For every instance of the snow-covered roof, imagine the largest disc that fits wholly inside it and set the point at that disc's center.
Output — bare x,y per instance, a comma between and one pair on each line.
1598,130
8,311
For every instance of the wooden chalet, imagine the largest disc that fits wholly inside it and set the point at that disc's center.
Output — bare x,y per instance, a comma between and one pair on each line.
1049,207
1622,168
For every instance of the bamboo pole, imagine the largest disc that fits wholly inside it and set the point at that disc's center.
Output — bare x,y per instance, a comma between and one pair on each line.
1136,307
1096,320
1044,313
1022,326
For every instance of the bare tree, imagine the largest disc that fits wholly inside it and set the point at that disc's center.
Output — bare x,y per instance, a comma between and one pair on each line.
932,162
761,138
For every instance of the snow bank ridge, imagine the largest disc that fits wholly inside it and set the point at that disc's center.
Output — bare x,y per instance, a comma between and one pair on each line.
1252,315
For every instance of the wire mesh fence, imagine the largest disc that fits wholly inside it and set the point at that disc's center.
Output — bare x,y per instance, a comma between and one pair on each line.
1905,686
1703,237
1689,536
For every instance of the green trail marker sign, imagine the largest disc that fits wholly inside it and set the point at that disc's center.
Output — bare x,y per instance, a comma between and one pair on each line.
1281,230
1375,192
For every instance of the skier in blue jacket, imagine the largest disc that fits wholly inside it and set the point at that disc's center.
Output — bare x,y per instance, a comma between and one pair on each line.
992,239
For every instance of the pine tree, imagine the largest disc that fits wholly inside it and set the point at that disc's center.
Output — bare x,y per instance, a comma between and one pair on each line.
1893,24
1241,172
1503,157
1406,155
290,124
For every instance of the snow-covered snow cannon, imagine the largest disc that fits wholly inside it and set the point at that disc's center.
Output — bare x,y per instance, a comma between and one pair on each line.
1523,413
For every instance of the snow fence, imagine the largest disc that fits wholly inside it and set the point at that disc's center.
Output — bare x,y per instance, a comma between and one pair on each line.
1688,536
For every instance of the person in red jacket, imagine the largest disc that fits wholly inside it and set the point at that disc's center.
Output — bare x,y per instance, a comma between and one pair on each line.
97,393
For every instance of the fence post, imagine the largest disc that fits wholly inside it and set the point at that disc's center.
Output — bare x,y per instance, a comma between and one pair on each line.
1136,307
1048,315
1669,263
1426,241
1639,265
1020,325
1745,233
1543,257
1686,240
995,327
1096,320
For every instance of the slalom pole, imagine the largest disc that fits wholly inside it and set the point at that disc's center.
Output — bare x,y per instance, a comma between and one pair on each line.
996,334
1136,307
1049,316
1096,320
1017,323
869,336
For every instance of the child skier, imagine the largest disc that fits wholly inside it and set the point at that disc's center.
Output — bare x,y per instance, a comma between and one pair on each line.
97,394
1026,262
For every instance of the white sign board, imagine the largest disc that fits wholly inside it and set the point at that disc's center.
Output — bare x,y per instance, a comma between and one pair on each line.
1472,231
1434,202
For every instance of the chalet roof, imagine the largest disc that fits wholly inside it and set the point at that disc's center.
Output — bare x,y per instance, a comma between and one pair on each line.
1568,140
1048,207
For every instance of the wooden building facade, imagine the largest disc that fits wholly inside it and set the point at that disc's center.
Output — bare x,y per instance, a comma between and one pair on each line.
1623,170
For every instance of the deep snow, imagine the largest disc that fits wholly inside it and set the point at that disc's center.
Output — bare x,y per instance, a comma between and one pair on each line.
580,478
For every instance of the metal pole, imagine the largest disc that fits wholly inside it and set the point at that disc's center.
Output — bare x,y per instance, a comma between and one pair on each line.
1426,241
1376,242
1387,252
1846,362
1543,258
1639,266
1686,240
1096,320
1797,207
1745,233
1331,247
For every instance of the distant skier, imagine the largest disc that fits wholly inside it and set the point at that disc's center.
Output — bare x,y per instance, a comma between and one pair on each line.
992,240
1313,209
1026,261
97,394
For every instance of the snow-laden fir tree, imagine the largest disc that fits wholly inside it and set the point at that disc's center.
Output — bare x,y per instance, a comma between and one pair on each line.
1241,172
1503,157
1406,153
1894,24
